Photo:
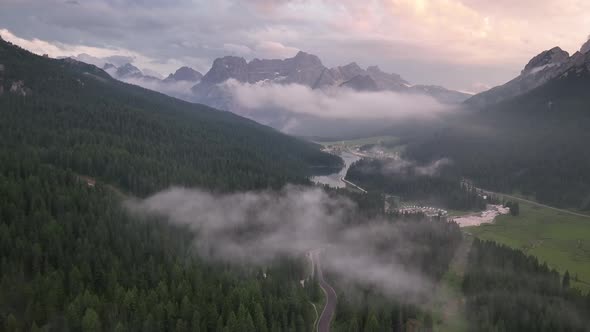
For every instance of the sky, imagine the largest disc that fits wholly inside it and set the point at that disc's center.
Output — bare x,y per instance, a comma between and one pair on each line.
467,45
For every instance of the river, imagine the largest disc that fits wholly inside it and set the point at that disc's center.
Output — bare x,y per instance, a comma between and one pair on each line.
334,179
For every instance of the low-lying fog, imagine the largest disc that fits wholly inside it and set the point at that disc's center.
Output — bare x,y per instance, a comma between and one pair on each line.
258,227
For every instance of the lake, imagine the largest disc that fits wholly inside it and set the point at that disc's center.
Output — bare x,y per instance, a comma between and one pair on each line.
334,179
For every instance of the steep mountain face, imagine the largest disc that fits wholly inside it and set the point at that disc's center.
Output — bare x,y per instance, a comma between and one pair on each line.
226,68
361,83
302,69
550,58
109,66
128,70
546,66
386,81
186,74
346,73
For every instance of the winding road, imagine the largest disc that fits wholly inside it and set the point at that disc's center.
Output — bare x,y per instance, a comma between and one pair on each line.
330,307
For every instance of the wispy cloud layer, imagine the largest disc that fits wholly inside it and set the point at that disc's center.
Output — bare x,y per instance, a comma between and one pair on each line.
258,227
338,103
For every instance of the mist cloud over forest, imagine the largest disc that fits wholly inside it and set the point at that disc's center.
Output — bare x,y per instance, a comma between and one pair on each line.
258,227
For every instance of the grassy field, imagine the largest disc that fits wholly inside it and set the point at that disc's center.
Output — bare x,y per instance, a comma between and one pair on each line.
557,238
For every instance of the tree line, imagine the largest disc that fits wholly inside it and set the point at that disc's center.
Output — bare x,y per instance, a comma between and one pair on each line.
507,290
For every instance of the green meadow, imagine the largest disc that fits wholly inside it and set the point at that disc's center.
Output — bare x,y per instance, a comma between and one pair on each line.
560,239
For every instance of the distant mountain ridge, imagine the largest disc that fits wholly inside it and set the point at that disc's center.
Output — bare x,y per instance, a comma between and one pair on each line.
304,69
216,88
308,70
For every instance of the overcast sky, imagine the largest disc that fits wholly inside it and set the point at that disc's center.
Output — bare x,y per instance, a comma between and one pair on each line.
461,44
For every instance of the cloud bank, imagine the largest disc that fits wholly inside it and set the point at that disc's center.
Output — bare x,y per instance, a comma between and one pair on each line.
258,227
335,103
426,41
398,166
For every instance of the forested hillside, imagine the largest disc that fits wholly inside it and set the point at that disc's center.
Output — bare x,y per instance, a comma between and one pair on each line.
72,260
535,144
75,116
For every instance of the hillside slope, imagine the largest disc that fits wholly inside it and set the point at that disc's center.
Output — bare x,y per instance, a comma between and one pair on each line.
76,116
535,143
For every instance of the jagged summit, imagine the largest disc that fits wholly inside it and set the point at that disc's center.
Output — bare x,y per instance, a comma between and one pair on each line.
185,74
128,70
307,69
226,68
552,57
307,57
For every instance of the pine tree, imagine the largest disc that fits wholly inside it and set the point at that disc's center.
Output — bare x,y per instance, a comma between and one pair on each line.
11,324
91,321
565,282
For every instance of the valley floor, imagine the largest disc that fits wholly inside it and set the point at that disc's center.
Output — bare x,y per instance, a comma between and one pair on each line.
558,237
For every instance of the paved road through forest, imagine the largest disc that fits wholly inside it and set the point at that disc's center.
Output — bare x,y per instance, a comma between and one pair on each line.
328,312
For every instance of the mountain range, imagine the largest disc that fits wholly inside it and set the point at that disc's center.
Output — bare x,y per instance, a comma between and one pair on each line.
308,70
303,69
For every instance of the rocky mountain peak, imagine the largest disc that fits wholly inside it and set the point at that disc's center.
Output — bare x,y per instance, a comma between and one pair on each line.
226,68
548,58
361,83
108,66
185,74
374,69
351,70
352,66
128,70
306,59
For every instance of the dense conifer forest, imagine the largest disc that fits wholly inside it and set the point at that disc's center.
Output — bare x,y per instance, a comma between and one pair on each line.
72,260
507,290
370,309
